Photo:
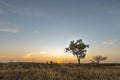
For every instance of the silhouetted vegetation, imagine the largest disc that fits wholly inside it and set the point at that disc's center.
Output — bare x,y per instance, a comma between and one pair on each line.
97,59
42,71
78,49
51,62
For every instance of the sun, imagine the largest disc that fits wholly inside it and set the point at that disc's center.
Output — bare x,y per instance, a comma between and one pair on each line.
58,61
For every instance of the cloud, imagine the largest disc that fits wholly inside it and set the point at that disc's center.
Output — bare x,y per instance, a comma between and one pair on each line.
5,27
27,55
1,57
43,52
106,8
8,30
21,10
109,42
5,58
33,54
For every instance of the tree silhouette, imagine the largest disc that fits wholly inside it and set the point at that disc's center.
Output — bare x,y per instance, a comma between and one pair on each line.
77,48
97,59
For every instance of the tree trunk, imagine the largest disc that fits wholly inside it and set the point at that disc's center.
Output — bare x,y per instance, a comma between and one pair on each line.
78,60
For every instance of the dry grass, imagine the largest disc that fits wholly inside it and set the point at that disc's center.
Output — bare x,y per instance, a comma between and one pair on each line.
38,71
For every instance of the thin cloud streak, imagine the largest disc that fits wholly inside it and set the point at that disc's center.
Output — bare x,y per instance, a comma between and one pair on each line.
1,57
35,53
106,9
110,42
22,11
27,55
5,27
8,30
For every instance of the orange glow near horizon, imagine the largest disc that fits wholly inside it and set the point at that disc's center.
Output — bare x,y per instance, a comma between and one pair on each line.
37,58
45,57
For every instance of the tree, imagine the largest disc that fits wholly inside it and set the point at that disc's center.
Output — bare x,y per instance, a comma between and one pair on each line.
51,62
97,59
77,48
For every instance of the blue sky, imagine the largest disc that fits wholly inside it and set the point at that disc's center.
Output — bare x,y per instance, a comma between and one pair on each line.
46,27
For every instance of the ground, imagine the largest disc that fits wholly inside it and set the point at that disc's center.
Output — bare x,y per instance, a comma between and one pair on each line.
45,71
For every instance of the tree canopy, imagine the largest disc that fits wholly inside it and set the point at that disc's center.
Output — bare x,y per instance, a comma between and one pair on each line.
97,59
77,48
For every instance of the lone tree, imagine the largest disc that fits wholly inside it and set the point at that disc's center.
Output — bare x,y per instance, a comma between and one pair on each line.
97,59
77,48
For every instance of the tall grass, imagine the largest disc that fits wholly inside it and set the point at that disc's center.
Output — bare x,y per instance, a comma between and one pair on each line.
38,71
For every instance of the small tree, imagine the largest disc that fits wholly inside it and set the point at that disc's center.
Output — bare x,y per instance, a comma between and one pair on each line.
51,62
77,48
97,59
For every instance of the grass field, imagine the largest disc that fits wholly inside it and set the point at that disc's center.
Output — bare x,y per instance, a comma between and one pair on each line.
42,71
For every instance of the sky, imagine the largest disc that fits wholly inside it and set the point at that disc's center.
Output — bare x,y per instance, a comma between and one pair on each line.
40,30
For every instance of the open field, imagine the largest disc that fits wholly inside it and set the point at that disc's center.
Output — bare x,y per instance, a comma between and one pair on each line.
41,71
